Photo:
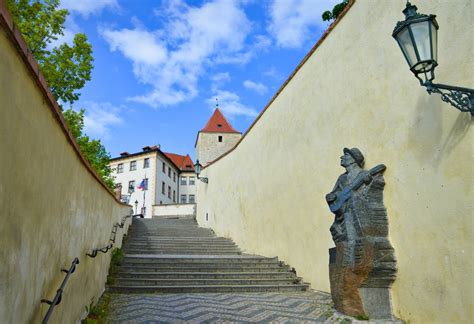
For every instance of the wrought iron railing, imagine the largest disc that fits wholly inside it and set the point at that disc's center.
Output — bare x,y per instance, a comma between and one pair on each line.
59,293
111,242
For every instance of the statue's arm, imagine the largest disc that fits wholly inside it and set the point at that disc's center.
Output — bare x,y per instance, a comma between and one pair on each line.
330,197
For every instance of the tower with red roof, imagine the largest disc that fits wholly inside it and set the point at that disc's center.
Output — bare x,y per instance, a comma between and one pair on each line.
216,138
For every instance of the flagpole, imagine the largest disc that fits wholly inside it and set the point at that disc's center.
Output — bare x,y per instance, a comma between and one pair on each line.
144,191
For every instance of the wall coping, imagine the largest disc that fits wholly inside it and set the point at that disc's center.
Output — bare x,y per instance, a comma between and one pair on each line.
17,40
300,65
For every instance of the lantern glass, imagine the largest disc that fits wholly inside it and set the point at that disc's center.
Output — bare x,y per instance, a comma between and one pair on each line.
434,41
405,41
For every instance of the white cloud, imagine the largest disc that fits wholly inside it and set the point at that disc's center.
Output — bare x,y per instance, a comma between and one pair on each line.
293,21
140,46
258,87
221,77
88,7
195,37
100,117
230,104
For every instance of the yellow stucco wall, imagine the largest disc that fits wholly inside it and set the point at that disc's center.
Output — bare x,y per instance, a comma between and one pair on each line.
52,208
356,91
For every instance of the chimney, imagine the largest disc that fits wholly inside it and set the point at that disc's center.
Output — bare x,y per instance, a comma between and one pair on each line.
124,154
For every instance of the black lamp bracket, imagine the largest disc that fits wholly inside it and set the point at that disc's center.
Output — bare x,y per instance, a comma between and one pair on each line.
460,98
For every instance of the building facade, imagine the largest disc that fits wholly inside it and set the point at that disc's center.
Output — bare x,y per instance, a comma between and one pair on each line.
150,177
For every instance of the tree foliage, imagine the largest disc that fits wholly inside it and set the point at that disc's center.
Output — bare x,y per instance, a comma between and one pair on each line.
66,68
92,149
336,11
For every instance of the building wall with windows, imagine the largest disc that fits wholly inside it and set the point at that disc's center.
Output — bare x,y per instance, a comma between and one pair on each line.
167,182
126,175
187,188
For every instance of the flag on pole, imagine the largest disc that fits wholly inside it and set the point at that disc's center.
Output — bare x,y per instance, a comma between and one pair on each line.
142,185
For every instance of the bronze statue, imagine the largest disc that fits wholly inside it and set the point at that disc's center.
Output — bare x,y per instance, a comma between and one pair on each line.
362,265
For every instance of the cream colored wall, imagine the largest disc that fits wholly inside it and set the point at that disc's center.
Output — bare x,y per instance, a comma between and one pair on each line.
174,210
208,147
357,91
53,209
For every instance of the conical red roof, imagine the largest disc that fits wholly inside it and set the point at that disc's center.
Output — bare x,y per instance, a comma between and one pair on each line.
218,124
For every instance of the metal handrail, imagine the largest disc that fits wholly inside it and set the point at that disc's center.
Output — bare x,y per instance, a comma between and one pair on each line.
111,243
59,293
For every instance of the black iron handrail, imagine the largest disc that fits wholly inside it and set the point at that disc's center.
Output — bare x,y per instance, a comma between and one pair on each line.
111,243
59,293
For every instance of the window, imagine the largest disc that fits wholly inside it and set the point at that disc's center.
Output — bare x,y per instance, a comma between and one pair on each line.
145,184
174,176
120,168
191,199
163,187
169,192
131,186
146,163
169,172
183,181
192,181
220,138
133,165
174,195
183,199
163,168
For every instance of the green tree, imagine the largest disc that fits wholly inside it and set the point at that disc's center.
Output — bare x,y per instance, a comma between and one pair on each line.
336,11
66,68
92,149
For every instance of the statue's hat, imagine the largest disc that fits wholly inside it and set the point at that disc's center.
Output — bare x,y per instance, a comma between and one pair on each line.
356,154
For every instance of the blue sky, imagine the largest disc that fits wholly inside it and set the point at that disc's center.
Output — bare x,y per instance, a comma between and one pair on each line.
159,65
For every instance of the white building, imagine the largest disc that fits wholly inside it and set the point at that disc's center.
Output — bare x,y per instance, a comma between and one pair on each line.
160,174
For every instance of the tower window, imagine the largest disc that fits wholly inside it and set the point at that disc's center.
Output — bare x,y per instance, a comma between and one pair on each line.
219,138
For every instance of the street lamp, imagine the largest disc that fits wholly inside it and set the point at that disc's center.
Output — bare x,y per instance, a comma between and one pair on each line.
417,37
197,170
136,207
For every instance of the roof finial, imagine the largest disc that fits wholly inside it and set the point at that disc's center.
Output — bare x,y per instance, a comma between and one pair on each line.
217,102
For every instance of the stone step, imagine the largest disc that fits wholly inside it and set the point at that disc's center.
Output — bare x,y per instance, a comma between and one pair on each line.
198,268
204,282
184,243
205,259
208,289
198,252
206,275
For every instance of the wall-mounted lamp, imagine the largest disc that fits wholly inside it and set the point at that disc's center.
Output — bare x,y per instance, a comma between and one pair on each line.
197,170
136,207
417,36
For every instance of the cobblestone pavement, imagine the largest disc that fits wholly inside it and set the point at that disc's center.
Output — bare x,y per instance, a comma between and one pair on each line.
306,307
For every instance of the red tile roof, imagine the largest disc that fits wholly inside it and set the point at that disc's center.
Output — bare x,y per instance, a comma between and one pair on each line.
218,124
182,162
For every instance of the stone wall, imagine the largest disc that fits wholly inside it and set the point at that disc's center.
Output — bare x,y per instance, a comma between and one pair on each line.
54,207
354,89
208,147
174,210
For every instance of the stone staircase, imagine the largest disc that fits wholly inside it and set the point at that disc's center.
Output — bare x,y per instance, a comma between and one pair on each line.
174,255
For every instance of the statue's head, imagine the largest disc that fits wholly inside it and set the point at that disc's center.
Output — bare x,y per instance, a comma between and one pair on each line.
353,155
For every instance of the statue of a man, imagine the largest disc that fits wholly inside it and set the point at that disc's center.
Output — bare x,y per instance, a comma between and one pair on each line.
362,266
347,226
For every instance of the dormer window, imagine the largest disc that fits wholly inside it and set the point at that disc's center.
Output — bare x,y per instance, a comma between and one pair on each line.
219,125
